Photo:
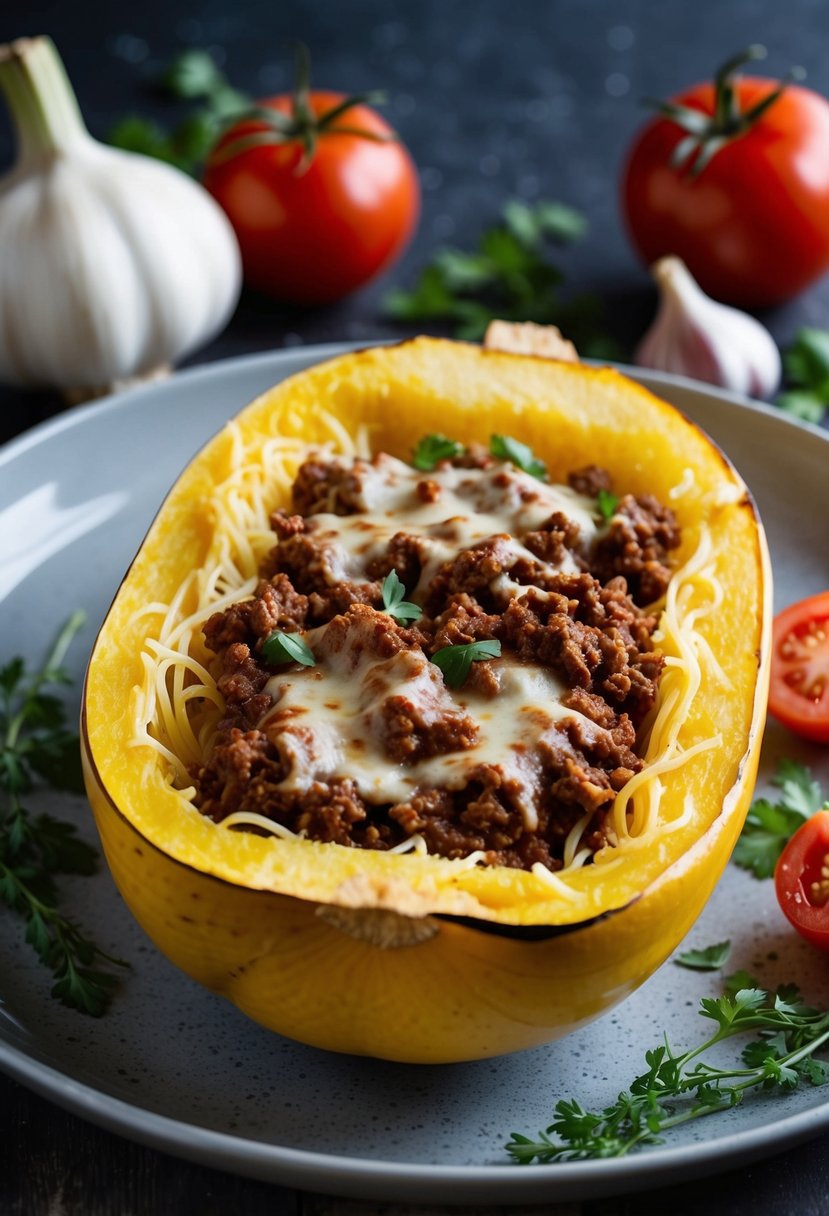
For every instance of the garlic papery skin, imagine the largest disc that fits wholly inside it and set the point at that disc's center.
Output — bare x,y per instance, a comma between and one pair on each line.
692,335
111,264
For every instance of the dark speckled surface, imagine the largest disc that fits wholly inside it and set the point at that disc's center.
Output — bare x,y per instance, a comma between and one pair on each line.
532,98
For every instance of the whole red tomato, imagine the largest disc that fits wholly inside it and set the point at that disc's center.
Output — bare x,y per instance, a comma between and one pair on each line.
801,880
321,207
751,224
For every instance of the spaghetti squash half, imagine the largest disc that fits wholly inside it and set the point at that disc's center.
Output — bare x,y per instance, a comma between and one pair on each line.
408,955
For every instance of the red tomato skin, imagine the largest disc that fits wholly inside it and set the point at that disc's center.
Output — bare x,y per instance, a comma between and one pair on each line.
808,719
800,865
313,236
753,227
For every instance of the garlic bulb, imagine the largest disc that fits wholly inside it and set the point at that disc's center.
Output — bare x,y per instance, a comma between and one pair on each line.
695,336
113,264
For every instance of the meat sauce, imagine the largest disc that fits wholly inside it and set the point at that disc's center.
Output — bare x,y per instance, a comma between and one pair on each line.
370,746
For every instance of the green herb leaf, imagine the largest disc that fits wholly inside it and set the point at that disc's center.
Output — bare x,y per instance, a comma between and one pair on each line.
431,449
803,404
507,276
34,742
806,365
504,447
606,503
678,1087
398,609
193,75
281,647
711,958
770,825
455,661
798,788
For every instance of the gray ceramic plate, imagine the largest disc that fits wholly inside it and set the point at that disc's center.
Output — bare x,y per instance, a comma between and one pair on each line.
177,1068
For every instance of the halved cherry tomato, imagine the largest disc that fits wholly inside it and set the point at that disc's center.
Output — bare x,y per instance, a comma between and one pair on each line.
799,695
801,880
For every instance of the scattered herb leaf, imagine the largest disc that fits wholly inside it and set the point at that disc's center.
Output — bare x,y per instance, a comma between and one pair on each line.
455,661
677,1088
508,276
279,647
193,77
504,447
770,825
35,742
806,365
431,449
398,609
711,958
606,503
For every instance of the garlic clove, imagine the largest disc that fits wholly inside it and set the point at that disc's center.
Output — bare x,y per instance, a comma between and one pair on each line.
693,335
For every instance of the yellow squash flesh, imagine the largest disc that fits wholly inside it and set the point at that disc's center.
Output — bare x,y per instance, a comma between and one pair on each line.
417,958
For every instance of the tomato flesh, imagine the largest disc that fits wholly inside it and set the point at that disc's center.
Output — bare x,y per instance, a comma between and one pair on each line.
310,233
801,880
799,694
753,225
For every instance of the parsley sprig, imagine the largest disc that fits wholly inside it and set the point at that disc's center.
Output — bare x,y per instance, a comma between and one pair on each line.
606,504
193,77
806,364
35,743
770,825
677,1088
432,449
279,647
455,661
504,447
398,609
508,276
709,958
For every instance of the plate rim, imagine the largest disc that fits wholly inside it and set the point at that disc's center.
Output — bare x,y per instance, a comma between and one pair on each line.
364,1177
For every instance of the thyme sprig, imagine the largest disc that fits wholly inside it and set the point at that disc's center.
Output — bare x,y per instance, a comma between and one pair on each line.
677,1088
36,744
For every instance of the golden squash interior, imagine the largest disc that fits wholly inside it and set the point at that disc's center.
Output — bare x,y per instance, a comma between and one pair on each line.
570,415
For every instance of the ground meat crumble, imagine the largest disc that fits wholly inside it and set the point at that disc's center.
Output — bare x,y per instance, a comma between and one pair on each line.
567,610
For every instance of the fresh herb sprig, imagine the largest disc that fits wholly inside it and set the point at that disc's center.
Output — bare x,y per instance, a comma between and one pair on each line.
606,504
504,447
677,1088
455,661
710,958
432,449
398,609
193,77
508,276
279,647
36,744
806,364
770,825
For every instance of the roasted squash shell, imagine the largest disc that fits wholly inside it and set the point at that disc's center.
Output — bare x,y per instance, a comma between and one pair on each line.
415,958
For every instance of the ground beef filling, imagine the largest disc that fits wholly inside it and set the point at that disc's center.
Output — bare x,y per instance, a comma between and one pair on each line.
369,747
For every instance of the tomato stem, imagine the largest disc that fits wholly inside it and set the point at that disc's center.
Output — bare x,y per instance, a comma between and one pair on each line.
706,134
302,125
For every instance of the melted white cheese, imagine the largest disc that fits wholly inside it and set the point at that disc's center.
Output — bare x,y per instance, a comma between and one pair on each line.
472,505
328,722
